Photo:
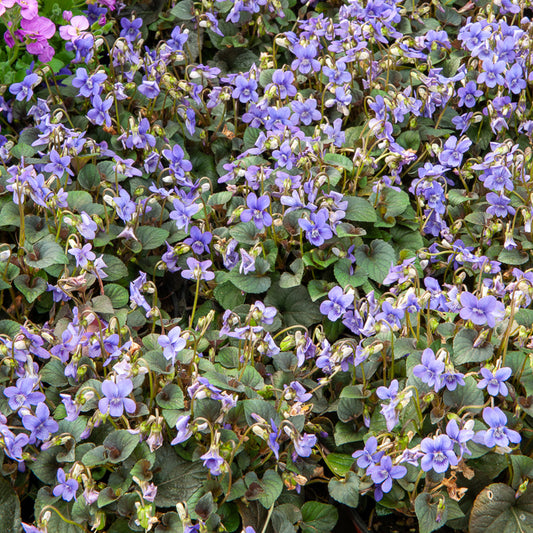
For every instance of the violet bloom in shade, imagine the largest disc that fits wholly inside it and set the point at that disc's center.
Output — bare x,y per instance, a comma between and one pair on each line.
487,310
303,444
439,454
383,473
494,382
468,94
182,213
198,270
245,90
256,211
22,394
83,255
296,391
369,455
184,431
492,73
24,89
317,230
40,425
499,205
89,85
305,60
390,315
116,397
497,434
431,369
213,461
453,150
66,488
198,241
100,111
337,303
450,379
460,436
172,343
283,82
261,313
87,227
58,165
131,30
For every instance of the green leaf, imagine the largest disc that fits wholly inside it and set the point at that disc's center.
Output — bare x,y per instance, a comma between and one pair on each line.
272,486
345,490
79,200
220,198
497,510
318,288
409,139
342,270
469,395
183,10
289,280
10,328
228,295
294,305
396,202
429,516
116,270
318,517
339,463
45,465
23,150
170,397
176,479
250,283
464,350
522,469
513,257
89,177
46,253
245,233
151,237
375,259
119,445
359,210
10,215
339,160
262,408
30,288
345,433
117,294
102,304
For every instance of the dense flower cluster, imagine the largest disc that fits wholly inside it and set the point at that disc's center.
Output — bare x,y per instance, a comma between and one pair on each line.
253,265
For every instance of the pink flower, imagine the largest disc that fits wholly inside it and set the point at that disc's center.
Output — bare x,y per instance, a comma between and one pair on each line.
109,3
42,50
39,28
77,25
6,4
29,9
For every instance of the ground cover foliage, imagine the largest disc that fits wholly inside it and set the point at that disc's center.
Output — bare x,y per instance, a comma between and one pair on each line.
264,262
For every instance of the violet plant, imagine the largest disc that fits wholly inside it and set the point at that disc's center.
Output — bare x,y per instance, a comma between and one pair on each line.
266,265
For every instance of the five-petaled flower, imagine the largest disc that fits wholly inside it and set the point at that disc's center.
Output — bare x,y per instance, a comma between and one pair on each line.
116,399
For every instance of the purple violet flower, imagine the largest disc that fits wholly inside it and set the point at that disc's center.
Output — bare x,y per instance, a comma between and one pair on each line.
497,434
369,455
494,382
383,473
116,399
256,211
487,310
337,303
439,454
431,369
67,487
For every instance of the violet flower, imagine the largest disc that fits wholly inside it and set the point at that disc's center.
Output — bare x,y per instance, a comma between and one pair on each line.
116,399
494,382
